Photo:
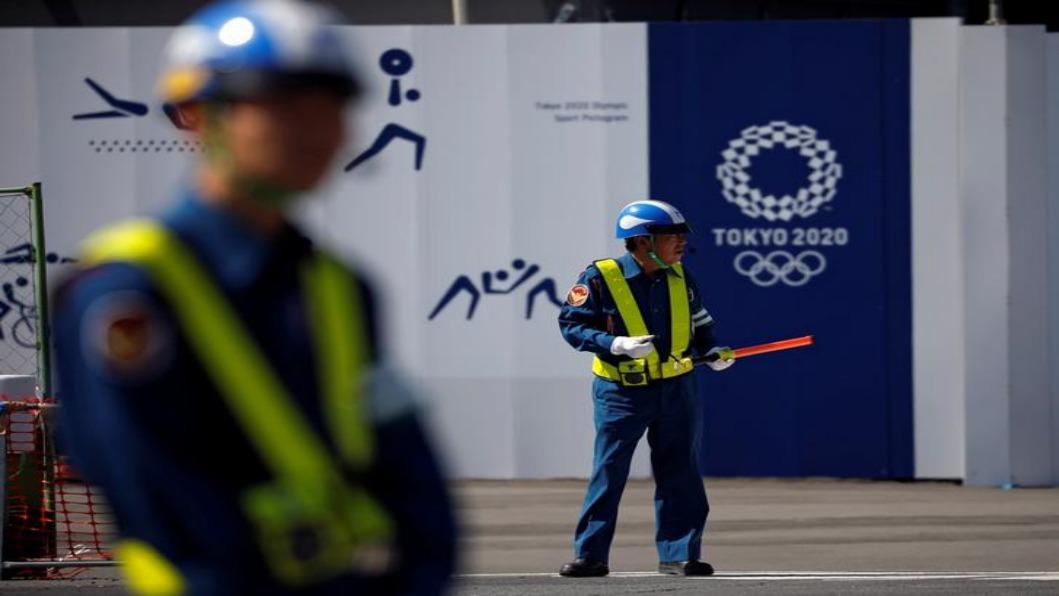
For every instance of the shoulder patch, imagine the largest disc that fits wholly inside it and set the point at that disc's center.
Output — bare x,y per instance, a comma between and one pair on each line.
123,336
577,295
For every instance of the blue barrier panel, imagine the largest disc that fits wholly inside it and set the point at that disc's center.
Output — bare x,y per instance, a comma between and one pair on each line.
787,146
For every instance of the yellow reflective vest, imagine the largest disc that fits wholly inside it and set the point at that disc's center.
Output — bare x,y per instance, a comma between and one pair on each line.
641,371
310,520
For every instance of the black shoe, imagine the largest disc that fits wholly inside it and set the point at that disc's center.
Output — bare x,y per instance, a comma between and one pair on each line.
685,568
584,568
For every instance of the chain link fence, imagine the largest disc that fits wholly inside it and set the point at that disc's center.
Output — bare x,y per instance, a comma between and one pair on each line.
18,308
50,519
23,258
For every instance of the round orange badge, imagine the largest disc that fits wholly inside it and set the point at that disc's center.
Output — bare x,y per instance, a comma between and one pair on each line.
577,295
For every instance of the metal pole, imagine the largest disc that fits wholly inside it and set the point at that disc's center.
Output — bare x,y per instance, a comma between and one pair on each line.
996,13
40,272
47,443
459,12
3,487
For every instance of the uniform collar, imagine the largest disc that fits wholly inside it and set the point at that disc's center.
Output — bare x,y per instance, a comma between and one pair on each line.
630,268
237,251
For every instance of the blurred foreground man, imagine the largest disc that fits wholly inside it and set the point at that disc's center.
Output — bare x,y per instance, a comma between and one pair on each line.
642,315
219,373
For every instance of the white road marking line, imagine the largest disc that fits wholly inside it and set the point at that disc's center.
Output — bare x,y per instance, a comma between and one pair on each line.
819,575
1034,577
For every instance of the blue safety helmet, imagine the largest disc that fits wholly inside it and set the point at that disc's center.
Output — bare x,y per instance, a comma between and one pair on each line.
233,50
645,218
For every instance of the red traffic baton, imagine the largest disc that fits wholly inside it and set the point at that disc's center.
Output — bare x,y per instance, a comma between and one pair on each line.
775,346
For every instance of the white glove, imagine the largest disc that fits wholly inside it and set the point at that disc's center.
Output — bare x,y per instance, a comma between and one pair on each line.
633,347
720,363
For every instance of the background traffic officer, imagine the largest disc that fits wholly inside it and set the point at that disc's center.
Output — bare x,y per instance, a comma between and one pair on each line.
643,317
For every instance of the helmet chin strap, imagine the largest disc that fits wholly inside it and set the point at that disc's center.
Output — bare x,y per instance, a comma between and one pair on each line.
654,256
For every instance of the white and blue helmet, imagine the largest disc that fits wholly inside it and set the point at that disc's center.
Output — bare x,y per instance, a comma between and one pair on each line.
241,48
645,218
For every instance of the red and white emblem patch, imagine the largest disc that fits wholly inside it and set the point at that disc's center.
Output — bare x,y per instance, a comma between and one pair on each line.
577,295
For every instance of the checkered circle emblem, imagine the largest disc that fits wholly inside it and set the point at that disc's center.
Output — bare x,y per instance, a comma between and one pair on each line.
737,185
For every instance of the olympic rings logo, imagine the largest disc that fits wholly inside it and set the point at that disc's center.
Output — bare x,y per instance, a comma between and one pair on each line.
824,171
780,265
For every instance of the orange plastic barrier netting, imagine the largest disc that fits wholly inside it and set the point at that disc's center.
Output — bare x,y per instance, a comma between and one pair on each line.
50,514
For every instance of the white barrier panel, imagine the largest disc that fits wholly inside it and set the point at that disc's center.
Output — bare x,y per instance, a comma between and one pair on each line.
1052,50
477,189
1031,432
937,247
503,153
508,203
1005,266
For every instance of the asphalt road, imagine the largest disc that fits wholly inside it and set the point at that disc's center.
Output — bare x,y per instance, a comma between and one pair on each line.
764,537
955,583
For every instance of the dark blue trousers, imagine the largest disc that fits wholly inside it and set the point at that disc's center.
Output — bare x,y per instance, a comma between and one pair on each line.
670,413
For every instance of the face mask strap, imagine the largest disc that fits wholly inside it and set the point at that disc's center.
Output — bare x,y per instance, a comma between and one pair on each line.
654,256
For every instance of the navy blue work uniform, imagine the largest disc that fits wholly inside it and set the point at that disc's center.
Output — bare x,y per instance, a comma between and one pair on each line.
667,409
142,419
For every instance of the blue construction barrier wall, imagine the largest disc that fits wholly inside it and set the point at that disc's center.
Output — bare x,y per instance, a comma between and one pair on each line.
787,145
